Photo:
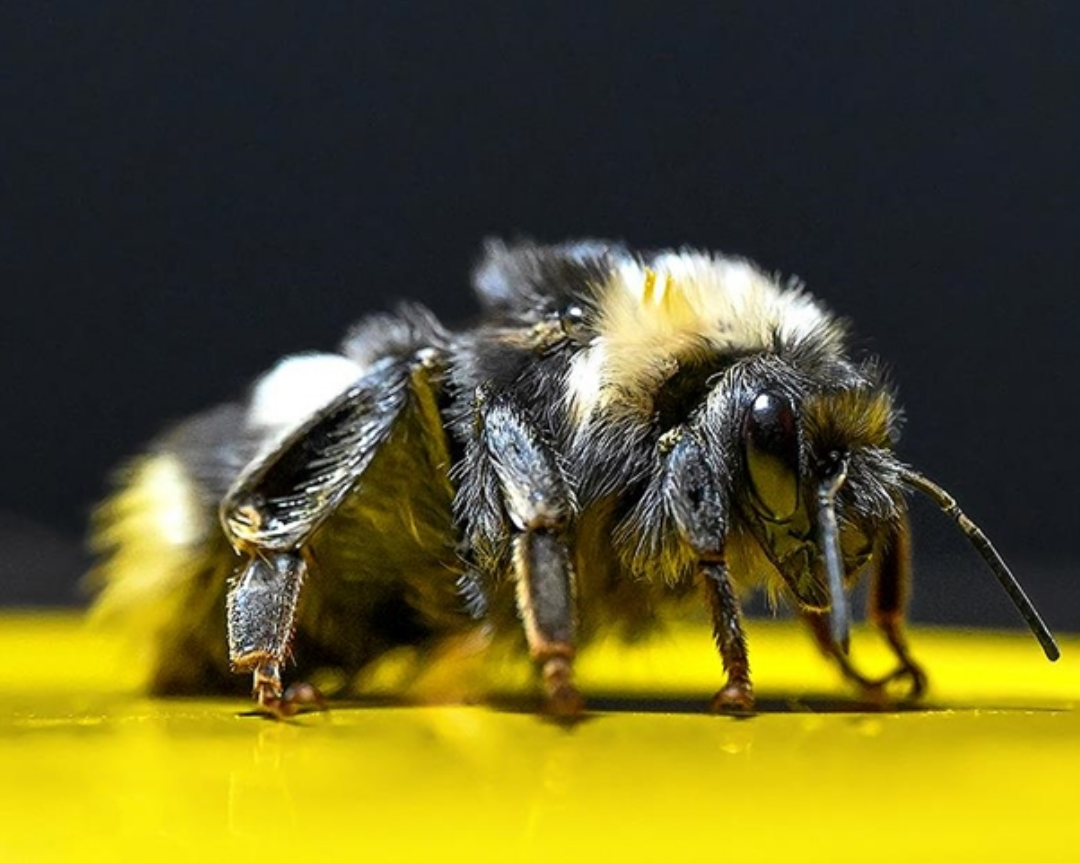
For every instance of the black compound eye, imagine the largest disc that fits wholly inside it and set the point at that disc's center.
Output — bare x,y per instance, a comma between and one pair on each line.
771,447
572,320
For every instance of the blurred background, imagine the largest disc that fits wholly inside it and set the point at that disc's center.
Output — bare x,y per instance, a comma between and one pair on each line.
188,191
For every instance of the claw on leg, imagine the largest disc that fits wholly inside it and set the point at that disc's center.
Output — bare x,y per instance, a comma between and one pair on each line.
557,671
298,698
266,683
905,684
908,668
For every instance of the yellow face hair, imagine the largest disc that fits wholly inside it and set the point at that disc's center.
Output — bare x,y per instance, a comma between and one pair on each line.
858,417
682,307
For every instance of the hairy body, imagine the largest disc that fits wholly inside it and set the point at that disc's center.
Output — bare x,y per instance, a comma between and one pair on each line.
618,433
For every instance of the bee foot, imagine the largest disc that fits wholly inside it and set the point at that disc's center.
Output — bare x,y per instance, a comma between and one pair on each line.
874,695
563,696
298,698
266,688
271,704
903,686
735,697
912,678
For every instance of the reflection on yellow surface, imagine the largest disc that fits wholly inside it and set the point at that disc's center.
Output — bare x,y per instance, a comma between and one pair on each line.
990,772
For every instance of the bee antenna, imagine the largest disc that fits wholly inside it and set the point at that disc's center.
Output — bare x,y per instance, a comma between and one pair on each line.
828,537
982,544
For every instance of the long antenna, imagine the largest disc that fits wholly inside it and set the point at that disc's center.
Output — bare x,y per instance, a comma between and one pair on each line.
828,538
990,554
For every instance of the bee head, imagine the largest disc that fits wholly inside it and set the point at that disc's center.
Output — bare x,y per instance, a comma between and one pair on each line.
821,484
824,487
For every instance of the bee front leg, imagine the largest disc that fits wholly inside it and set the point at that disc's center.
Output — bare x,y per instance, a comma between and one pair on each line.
891,578
697,503
535,498
737,695
888,599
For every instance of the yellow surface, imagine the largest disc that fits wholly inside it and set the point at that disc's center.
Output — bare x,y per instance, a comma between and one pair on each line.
990,772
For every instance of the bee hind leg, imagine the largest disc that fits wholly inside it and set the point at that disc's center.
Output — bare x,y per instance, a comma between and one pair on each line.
261,608
276,506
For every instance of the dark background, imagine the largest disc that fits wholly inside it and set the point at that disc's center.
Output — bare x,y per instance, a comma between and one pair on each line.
188,193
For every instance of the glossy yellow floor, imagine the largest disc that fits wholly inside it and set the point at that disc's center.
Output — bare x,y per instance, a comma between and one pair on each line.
990,772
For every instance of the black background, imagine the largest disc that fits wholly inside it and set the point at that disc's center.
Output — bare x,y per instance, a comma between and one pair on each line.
189,192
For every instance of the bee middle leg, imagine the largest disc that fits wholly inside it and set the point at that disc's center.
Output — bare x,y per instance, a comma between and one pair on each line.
545,601
537,502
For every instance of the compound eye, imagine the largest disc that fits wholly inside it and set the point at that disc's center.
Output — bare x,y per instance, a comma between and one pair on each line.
771,446
572,319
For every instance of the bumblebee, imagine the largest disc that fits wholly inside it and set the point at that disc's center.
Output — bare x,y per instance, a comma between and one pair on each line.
618,432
